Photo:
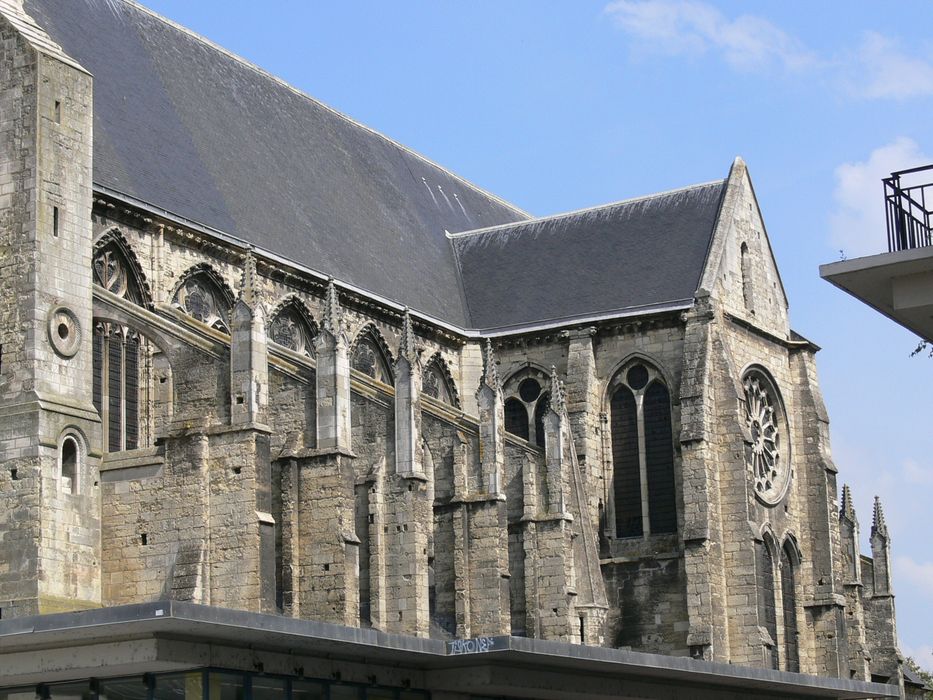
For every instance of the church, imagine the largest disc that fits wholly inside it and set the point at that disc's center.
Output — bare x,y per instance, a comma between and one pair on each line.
287,409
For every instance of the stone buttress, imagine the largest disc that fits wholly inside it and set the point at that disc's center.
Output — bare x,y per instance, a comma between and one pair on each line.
50,444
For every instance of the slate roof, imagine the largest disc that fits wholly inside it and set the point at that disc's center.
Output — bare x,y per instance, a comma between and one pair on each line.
187,127
183,126
634,255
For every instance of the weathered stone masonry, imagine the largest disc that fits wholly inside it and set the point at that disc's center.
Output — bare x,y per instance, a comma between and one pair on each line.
659,479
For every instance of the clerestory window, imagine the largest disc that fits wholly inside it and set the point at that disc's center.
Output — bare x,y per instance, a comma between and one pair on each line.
527,402
116,385
642,453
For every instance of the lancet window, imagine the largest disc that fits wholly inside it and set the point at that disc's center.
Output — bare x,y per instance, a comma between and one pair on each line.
789,605
643,492
526,403
116,385
767,608
292,328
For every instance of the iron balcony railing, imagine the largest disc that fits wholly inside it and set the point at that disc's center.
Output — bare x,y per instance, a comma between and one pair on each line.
906,210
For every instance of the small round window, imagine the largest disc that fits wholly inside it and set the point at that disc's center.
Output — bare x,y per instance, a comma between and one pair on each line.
529,390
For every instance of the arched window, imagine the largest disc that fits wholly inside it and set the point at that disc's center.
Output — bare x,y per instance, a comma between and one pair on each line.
69,459
203,295
659,459
767,614
516,418
789,605
116,385
117,270
371,356
437,383
291,328
526,404
642,453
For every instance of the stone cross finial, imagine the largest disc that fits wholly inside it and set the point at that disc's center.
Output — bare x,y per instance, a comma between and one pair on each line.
847,509
406,346
878,526
333,316
249,292
558,394
490,374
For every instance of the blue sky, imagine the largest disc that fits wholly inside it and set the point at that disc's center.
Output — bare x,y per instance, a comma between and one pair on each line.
557,106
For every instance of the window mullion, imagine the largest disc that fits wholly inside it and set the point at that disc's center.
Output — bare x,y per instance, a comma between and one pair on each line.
105,389
642,462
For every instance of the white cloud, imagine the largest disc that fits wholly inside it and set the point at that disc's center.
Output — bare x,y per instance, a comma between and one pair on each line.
918,574
875,69
882,70
858,225
688,26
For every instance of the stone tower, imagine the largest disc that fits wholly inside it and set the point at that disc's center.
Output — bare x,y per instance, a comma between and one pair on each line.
50,436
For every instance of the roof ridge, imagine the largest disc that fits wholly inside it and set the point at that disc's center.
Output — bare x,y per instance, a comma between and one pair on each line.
583,210
301,93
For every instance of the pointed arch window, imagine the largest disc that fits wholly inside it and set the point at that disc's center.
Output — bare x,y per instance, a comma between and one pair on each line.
291,328
789,608
767,611
371,356
437,383
643,492
117,270
116,385
526,403
203,296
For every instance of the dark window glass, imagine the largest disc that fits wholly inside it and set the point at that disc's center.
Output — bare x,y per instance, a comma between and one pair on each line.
380,694
529,390
345,692
637,377
544,404
18,693
98,360
227,686
268,688
767,615
659,459
124,689
71,691
115,394
789,596
131,384
69,465
181,686
362,532
305,690
626,473
516,418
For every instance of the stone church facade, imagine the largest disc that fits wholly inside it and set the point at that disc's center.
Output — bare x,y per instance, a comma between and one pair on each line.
596,427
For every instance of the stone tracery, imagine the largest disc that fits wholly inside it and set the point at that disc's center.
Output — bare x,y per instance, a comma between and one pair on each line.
765,422
290,327
200,296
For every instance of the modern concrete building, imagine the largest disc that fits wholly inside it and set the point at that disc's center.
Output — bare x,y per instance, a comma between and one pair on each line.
899,282
288,410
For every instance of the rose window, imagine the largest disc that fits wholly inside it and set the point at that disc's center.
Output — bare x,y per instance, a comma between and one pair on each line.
764,454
